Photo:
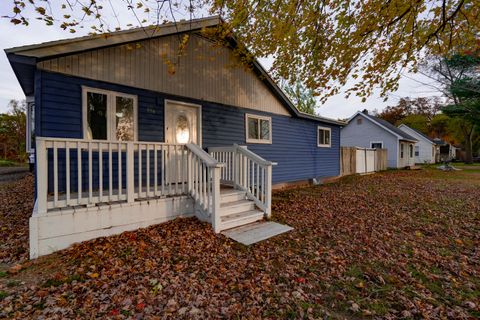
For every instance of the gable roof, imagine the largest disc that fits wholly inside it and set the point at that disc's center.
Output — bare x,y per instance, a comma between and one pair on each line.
23,59
419,133
386,126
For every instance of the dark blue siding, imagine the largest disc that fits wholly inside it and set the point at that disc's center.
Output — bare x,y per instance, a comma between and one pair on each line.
59,104
294,142
294,147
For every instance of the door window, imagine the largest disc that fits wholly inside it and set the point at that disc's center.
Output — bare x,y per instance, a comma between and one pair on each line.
182,129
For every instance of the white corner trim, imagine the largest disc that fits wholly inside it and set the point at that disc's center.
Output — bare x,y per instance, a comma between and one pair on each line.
259,117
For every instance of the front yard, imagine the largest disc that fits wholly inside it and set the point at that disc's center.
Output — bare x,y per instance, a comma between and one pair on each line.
400,244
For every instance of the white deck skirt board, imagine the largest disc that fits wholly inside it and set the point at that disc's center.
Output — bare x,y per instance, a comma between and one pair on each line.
256,232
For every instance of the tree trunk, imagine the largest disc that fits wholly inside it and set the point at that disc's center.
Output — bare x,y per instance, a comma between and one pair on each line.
468,147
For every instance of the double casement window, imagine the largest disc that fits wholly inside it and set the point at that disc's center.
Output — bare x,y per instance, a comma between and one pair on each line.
324,137
109,115
258,129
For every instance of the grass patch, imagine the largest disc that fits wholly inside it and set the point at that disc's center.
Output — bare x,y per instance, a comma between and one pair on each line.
3,295
7,163
3,274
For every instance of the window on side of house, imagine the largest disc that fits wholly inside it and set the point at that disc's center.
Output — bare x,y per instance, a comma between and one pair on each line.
417,151
376,144
359,121
109,115
401,150
258,129
324,135
30,126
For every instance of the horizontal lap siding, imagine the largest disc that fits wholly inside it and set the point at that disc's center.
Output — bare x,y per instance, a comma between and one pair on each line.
59,104
294,142
294,145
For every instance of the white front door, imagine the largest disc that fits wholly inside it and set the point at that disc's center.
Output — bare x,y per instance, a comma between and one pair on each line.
182,122
182,126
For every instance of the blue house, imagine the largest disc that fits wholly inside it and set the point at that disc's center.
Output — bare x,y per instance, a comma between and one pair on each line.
141,126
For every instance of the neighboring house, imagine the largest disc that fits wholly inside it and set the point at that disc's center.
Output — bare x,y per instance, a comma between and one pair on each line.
447,151
426,150
132,132
366,131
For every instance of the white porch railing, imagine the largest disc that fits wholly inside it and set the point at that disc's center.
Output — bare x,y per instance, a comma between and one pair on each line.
204,183
75,172
247,171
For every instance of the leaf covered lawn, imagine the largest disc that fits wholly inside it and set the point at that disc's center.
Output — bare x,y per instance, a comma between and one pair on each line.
400,244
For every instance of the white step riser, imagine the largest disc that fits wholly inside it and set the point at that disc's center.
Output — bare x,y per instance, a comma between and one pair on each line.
237,223
232,197
247,206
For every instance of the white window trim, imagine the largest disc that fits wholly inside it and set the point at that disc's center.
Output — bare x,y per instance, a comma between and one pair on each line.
372,142
325,145
111,95
254,116
30,102
199,118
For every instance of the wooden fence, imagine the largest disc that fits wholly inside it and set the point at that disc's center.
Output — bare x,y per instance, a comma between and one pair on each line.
355,160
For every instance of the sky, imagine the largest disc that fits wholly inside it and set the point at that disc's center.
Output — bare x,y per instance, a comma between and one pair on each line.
337,107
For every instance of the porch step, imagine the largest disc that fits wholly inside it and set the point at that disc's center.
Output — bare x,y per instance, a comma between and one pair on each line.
238,206
231,195
241,218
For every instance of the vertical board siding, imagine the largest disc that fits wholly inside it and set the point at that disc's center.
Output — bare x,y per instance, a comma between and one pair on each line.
294,145
205,71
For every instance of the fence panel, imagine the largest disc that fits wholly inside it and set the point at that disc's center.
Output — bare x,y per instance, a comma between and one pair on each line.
355,160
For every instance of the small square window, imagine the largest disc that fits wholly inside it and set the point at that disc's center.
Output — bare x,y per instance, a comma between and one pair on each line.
258,129
376,145
324,137
359,121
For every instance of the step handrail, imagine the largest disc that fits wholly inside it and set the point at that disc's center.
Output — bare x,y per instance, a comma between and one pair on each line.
203,181
204,156
247,171
255,157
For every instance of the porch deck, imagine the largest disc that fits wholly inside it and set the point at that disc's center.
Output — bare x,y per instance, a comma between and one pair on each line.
87,189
